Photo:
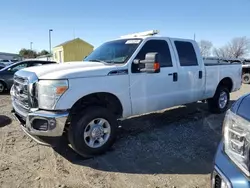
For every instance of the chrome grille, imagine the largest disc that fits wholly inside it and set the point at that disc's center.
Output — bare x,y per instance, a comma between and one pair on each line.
20,89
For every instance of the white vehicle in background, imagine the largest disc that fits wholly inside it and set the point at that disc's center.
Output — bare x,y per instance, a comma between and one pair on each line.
246,71
135,74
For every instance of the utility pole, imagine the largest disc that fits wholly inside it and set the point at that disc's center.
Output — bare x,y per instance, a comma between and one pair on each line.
194,36
50,40
31,43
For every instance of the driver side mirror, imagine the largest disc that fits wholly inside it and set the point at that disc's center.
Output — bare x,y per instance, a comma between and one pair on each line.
151,63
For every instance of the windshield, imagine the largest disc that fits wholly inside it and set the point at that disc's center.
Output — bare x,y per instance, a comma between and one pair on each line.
118,51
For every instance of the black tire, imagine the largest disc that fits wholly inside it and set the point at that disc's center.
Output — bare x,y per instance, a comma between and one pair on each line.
78,125
2,86
246,78
213,103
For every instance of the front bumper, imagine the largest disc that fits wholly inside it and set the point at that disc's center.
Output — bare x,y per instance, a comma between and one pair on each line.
54,123
228,172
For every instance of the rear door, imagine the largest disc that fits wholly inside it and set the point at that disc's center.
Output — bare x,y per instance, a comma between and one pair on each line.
191,75
154,91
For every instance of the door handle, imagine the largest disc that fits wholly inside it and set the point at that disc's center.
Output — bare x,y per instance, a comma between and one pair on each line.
200,75
175,76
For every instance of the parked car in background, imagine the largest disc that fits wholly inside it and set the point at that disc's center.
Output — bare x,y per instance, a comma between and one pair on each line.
7,73
7,62
232,161
132,75
2,65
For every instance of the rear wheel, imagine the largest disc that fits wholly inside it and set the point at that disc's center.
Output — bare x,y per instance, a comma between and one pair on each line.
93,131
219,103
2,87
246,78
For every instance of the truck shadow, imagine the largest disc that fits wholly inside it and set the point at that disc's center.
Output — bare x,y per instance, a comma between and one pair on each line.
181,140
6,92
4,120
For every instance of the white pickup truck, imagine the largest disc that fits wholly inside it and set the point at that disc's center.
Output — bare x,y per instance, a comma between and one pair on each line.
132,75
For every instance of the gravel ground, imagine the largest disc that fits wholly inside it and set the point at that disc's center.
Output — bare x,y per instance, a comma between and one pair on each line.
170,148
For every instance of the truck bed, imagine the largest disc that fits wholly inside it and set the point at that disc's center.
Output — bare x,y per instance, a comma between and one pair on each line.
215,72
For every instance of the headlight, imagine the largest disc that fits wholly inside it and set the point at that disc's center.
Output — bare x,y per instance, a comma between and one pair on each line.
236,133
49,92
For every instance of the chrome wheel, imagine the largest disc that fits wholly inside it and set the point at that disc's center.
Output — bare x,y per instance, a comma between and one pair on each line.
1,87
97,133
223,99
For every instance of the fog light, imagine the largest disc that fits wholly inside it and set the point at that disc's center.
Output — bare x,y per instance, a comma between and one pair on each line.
40,124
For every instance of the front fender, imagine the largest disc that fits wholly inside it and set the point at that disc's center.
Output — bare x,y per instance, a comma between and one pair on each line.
81,87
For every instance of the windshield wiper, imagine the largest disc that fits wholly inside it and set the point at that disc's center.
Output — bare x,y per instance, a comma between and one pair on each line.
97,60
101,61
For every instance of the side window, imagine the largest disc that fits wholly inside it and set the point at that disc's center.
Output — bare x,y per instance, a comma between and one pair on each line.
186,53
159,46
19,67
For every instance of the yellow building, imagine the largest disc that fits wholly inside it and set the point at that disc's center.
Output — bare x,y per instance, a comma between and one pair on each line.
73,50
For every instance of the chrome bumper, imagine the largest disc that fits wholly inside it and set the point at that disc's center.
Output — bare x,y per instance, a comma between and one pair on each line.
56,121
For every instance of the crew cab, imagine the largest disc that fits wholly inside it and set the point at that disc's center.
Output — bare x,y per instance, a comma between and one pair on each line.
132,75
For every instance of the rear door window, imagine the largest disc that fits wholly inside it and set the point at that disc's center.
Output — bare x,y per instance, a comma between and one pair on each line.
186,53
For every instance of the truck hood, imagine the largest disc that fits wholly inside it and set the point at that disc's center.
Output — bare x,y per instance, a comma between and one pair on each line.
71,70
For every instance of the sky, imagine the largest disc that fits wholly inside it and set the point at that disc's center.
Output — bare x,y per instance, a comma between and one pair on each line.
97,21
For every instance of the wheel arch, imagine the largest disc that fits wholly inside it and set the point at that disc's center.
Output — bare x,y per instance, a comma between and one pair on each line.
104,99
227,83
4,83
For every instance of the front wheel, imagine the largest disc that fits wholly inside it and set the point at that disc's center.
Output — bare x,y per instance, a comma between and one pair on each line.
93,131
219,103
2,87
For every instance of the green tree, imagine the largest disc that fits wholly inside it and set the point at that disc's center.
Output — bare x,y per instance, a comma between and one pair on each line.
27,53
43,52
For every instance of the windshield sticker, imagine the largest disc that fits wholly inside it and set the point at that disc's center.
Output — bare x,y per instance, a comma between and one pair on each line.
133,41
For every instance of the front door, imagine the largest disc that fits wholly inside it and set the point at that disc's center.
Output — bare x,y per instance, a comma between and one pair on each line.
154,91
